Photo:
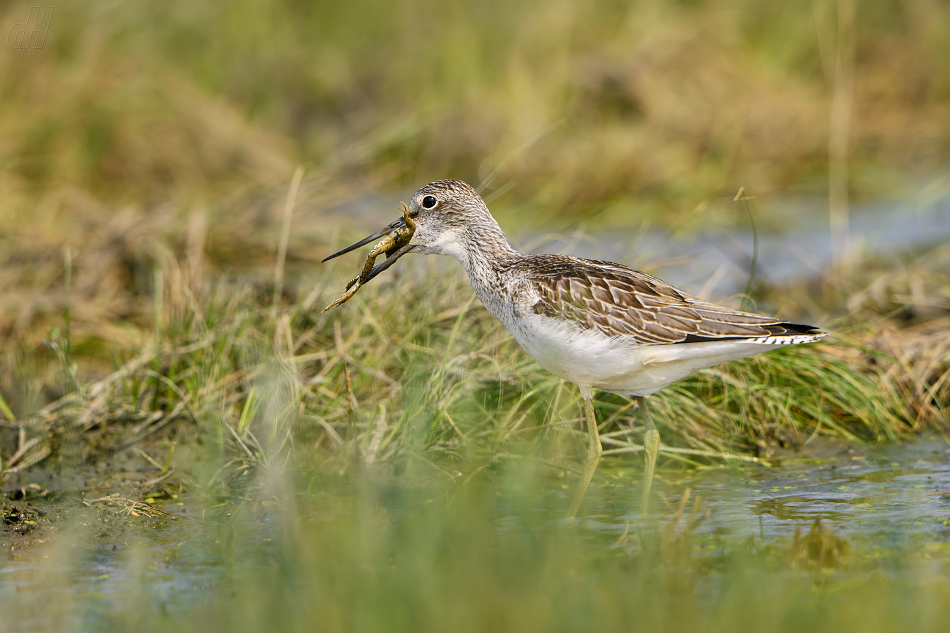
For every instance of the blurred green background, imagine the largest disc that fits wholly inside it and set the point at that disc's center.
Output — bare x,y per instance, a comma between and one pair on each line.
143,128
580,106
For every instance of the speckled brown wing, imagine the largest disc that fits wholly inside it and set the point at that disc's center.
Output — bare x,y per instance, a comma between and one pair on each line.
620,301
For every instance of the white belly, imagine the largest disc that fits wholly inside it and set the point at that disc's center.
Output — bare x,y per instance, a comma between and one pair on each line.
618,365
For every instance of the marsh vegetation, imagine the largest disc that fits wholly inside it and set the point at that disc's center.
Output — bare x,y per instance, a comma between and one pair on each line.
186,444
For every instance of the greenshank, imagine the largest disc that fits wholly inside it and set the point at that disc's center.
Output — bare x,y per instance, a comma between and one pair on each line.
596,324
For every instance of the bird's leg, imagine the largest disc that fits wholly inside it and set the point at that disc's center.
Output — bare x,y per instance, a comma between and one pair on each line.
594,450
651,445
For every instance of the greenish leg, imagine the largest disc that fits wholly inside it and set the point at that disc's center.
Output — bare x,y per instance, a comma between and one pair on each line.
651,445
594,451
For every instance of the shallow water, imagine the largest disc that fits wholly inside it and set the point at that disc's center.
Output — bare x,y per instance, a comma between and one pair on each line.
890,499
887,495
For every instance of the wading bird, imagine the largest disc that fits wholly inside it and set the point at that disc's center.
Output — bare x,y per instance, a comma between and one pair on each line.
596,324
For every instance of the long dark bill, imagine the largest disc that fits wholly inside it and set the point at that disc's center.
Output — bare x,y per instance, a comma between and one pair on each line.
390,260
398,224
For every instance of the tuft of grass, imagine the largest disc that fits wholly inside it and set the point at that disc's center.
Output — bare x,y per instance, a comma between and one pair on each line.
415,371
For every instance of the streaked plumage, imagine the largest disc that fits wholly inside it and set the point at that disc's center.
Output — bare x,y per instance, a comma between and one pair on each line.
605,326
616,300
597,324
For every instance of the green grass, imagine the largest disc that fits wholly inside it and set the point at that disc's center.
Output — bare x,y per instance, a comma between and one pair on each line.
415,368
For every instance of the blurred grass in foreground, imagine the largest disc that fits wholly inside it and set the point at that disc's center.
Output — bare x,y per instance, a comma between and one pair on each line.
382,554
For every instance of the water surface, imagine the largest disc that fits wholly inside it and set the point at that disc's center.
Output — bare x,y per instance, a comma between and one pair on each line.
86,571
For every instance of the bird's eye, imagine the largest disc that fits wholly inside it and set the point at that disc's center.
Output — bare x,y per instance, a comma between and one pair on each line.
428,202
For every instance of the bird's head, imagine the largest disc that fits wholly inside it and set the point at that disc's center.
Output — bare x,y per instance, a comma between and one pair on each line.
442,218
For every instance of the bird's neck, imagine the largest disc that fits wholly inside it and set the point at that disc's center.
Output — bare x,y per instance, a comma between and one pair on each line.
485,254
